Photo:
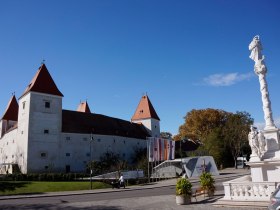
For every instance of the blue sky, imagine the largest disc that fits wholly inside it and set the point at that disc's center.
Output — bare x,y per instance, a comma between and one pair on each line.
185,54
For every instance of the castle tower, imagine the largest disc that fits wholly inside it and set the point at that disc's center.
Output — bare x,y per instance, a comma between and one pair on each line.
146,114
10,116
83,107
39,123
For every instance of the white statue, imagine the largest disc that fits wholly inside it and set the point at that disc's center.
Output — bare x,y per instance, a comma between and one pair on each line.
253,141
260,69
262,143
257,143
255,46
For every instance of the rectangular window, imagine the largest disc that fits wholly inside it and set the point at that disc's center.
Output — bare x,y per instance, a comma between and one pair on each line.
43,154
47,104
46,131
67,168
68,138
67,154
23,105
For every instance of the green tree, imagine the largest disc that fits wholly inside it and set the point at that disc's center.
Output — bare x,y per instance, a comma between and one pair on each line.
139,159
222,134
214,145
235,133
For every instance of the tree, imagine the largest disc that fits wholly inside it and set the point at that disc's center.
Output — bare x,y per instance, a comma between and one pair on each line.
139,159
236,132
166,135
200,123
222,134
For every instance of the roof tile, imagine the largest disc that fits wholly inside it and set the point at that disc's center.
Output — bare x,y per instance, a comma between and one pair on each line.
42,82
83,107
79,122
11,112
145,110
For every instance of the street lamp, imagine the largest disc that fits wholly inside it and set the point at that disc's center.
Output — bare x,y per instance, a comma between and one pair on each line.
90,163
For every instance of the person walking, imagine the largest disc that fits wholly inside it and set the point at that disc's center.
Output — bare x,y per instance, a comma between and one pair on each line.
121,180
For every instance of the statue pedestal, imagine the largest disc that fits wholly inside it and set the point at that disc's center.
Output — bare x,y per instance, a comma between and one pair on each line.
265,171
272,144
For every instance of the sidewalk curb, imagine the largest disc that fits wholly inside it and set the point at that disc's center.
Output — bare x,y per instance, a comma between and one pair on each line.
164,183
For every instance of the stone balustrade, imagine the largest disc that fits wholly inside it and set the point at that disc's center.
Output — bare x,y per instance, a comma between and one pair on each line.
243,189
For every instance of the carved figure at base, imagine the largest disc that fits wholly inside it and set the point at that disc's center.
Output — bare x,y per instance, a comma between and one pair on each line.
257,142
262,144
253,141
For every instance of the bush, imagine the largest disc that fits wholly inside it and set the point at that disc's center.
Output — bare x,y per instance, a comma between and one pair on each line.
43,177
183,187
207,182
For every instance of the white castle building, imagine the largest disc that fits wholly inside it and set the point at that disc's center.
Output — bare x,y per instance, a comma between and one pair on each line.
37,135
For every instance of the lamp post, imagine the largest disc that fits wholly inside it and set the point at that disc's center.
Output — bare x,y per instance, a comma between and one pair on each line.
90,163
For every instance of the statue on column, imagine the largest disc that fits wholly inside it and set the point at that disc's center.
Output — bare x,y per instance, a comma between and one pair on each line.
260,69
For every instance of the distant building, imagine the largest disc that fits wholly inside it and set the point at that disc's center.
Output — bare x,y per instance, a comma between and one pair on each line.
37,135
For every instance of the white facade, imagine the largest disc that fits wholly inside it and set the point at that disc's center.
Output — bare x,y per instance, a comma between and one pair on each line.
152,126
38,143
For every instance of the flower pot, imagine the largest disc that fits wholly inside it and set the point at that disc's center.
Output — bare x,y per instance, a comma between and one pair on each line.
183,199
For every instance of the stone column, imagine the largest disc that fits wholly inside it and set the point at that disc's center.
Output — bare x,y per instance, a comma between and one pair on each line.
271,132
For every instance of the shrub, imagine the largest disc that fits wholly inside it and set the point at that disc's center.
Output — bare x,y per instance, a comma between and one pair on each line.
183,187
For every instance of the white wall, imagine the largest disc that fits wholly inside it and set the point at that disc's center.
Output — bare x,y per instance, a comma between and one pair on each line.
78,145
152,126
9,151
44,132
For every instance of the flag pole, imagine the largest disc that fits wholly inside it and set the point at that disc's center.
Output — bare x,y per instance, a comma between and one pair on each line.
148,160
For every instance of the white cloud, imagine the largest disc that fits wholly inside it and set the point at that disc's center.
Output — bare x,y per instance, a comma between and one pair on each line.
226,79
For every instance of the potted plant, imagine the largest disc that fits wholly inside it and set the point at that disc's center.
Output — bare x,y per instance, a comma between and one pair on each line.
183,191
207,183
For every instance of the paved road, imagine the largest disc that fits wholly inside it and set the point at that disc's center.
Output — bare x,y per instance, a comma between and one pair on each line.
159,195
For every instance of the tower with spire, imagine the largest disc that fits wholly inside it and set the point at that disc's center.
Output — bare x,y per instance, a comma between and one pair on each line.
146,115
10,117
38,135
39,120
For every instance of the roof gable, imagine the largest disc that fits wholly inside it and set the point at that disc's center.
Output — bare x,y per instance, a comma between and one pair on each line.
42,82
11,112
145,110
83,107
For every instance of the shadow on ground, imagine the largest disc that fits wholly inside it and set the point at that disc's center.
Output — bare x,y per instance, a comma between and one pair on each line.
54,207
11,186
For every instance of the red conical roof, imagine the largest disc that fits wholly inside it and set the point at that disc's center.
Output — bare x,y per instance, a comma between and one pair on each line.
42,82
11,112
83,107
145,110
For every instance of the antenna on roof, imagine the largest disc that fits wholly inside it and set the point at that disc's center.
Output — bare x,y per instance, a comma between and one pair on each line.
43,61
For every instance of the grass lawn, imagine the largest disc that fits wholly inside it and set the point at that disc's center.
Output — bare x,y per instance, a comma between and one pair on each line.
26,187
